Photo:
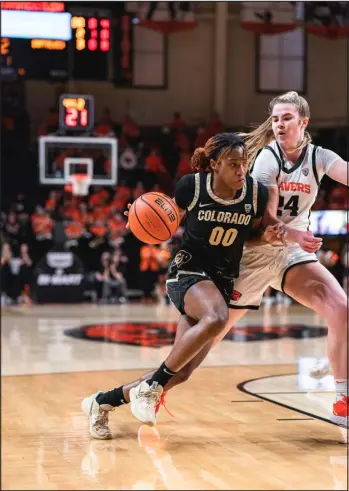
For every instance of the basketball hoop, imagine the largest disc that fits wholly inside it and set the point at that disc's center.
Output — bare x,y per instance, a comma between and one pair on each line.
78,184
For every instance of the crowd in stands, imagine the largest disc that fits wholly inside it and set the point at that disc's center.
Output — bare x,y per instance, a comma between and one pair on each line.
94,226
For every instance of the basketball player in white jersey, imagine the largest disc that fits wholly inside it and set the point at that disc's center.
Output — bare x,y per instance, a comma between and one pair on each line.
291,167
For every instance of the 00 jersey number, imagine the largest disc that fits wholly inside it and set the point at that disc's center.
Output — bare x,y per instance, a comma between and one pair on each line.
223,237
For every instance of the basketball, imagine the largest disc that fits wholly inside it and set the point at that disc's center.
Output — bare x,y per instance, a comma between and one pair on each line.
153,218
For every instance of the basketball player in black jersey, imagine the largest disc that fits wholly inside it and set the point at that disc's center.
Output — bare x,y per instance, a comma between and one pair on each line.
224,205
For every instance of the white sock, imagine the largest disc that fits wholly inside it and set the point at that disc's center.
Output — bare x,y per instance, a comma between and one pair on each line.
341,388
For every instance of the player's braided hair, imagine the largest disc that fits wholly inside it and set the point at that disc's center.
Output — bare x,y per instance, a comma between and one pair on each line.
262,135
214,149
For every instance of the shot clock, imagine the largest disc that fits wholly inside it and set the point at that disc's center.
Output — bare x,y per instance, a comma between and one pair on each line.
76,112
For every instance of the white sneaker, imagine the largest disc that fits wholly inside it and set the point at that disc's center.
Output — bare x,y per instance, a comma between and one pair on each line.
320,369
144,400
98,416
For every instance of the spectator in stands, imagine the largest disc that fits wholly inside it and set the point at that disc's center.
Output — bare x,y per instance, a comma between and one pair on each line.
154,162
74,230
184,166
25,230
117,281
106,125
182,141
51,202
215,125
149,266
102,276
42,224
25,273
121,197
116,228
98,197
86,216
123,260
177,123
130,133
2,227
12,231
110,283
201,137
138,191
98,231
20,204
205,131
51,124
7,278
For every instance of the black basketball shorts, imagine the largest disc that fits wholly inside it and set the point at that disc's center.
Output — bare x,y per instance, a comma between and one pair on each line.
183,273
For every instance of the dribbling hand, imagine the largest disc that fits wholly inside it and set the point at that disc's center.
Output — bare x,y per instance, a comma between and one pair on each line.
126,214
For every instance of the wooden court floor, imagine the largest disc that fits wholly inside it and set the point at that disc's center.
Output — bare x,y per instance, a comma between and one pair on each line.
246,420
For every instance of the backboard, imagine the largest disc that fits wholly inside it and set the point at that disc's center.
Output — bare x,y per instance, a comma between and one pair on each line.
61,156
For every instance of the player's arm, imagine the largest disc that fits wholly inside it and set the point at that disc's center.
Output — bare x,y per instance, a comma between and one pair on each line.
181,211
274,231
339,171
306,240
184,193
265,229
266,171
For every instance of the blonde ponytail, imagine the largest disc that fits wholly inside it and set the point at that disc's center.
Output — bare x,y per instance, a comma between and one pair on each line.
262,135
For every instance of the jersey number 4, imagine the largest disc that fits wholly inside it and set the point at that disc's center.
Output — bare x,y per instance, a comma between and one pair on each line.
221,236
292,205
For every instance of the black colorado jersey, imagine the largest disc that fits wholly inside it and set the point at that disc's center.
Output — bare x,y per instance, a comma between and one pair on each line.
216,229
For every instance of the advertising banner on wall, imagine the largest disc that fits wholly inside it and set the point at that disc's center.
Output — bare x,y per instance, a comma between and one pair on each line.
59,278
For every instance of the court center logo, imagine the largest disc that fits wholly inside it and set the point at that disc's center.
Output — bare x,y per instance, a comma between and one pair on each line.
159,334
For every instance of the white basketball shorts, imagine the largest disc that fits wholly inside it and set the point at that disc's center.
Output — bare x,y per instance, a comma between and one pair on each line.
262,267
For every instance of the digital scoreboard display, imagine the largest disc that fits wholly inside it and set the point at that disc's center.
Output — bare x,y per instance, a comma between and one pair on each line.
76,112
43,40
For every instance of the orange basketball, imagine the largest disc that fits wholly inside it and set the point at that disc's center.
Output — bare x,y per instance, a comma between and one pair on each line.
153,218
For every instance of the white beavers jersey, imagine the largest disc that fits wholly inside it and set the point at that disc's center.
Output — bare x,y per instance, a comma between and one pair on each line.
298,183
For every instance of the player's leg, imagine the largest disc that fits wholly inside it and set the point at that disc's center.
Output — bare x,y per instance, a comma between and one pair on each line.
182,375
98,405
204,303
315,287
185,372
112,397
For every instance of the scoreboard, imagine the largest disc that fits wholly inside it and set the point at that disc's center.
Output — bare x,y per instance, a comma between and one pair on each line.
76,112
84,56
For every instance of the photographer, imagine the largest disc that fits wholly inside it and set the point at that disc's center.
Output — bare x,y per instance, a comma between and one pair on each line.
110,283
117,281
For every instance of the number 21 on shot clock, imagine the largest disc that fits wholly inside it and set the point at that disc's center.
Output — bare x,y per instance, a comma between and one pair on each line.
76,112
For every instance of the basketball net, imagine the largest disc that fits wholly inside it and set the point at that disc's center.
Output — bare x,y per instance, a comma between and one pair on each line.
78,184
